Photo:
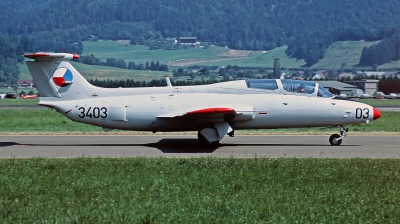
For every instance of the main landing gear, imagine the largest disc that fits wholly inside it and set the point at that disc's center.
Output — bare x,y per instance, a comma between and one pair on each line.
336,139
212,136
203,140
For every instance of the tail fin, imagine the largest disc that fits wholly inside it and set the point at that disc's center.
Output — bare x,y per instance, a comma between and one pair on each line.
54,76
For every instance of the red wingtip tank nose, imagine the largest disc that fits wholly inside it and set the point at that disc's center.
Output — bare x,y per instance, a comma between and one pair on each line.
377,114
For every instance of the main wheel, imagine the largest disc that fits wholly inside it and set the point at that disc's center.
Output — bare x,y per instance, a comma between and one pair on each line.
334,140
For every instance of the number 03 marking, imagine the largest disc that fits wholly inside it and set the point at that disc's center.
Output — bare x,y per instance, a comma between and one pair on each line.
362,113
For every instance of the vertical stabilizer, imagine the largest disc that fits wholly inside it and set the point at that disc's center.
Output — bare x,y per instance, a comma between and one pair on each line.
54,76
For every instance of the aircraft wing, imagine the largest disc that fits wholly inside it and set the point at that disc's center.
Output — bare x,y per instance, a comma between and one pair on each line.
215,113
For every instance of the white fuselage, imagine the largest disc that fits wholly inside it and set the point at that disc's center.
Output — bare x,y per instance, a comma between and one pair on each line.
141,112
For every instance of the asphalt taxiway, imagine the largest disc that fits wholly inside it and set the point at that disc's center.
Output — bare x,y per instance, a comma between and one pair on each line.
243,146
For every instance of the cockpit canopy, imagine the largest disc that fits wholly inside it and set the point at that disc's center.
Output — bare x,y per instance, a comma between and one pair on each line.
290,87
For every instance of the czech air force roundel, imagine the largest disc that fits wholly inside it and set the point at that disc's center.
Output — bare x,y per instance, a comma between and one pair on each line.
62,77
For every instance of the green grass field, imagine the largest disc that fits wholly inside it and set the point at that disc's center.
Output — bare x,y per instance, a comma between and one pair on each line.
41,120
385,102
26,120
348,52
204,190
24,71
18,102
141,54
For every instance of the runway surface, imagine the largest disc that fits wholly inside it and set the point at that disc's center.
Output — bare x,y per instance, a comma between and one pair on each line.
246,146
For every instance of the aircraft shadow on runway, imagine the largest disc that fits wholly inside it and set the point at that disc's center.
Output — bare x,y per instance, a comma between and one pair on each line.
164,145
193,146
182,146
4,144
177,145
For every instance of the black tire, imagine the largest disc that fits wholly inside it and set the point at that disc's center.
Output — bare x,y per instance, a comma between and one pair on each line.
334,142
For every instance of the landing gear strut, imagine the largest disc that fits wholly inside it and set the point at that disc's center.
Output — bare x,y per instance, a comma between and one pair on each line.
336,139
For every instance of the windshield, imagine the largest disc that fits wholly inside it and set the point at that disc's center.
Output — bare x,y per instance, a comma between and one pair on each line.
322,92
298,86
269,84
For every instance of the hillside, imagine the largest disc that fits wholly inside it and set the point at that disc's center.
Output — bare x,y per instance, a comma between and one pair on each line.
307,27
342,54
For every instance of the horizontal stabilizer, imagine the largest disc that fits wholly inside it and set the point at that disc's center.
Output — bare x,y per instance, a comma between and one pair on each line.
41,56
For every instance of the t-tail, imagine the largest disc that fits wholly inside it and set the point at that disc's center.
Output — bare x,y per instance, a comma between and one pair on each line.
56,78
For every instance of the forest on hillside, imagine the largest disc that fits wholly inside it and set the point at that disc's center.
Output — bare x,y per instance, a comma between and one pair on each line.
10,54
384,52
308,27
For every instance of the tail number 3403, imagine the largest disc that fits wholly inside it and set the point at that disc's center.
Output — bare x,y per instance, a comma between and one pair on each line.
93,112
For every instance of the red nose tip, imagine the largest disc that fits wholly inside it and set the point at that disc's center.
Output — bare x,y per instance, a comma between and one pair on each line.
377,114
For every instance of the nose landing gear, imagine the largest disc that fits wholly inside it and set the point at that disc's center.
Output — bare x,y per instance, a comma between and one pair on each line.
336,139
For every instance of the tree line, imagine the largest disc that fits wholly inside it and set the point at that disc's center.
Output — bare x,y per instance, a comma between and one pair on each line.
10,55
230,72
389,84
108,83
120,63
385,51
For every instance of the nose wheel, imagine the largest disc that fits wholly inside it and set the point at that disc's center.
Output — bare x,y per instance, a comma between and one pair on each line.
336,139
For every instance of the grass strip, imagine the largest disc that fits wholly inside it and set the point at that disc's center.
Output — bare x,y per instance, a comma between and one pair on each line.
18,102
201,190
381,103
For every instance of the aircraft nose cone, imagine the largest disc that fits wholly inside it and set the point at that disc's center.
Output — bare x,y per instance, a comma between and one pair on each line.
377,114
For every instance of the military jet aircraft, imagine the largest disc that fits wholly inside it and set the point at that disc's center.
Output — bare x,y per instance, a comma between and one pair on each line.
213,110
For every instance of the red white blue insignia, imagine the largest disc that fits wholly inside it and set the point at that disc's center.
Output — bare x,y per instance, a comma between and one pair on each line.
62,77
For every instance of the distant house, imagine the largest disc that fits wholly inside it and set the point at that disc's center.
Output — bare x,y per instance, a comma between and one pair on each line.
25,83
171,40
321,74
188,40
219,69
318,77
